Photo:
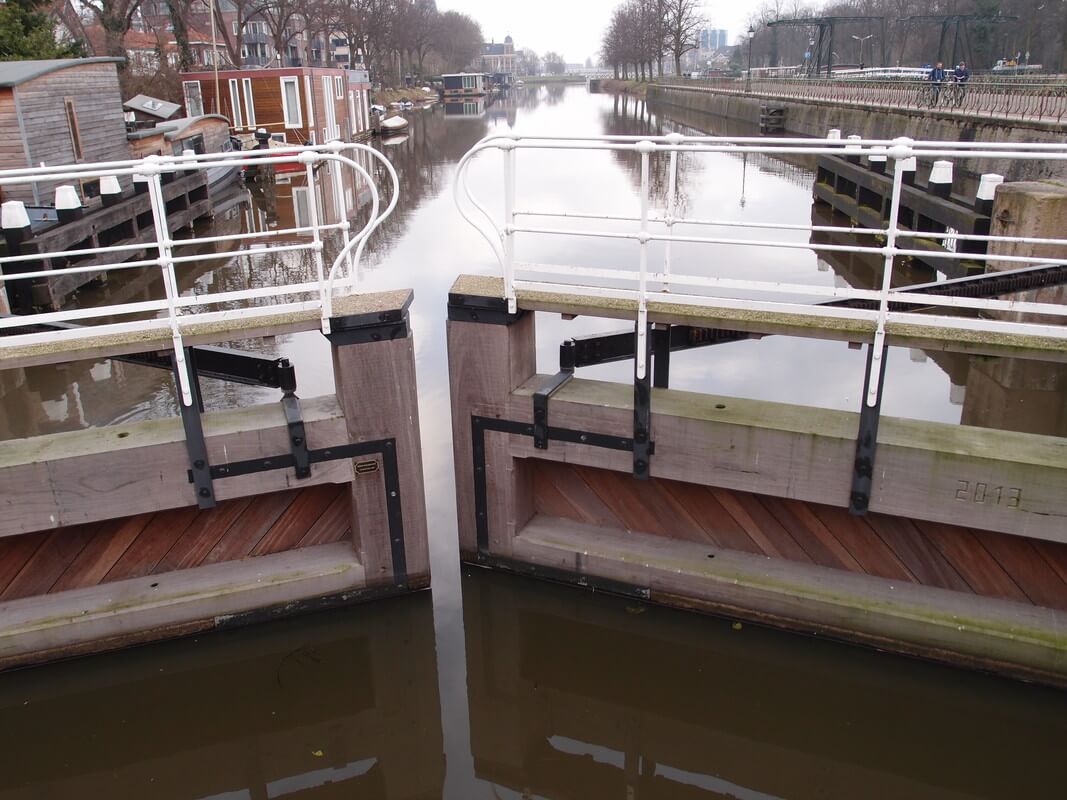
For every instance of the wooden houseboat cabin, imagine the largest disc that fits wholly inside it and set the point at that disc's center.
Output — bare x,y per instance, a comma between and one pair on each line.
209,133
61,111
465,84
296,105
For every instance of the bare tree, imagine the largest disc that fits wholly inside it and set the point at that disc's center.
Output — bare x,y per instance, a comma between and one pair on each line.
458,40
684,22
115,18
554,63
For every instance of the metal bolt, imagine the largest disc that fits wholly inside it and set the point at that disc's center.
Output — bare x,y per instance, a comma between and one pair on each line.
298,440
205,492
199,463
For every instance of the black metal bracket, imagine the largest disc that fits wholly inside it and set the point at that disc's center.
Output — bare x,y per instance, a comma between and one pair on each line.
542,395
386,448
298,446
226,364
479,426
643,410
478,308
867,439
661,356
375,326
200,467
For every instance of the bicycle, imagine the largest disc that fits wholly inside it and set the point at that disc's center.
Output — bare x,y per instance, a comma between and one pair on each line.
928,95
956,90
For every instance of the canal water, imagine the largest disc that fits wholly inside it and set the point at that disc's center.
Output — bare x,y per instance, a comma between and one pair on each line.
498,687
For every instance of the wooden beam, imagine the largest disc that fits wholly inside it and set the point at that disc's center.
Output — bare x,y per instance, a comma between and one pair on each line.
486,363
126,610
376,387
101,473
988,479
927,337
268,323
1014,637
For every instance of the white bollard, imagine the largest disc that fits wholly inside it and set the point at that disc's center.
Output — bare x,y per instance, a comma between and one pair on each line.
110,190
68,204
940,183
987,189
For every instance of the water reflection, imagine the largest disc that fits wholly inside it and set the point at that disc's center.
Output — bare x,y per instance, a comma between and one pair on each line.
580,696
342,704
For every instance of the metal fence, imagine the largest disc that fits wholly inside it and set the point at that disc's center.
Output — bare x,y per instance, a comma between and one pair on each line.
988,97
643,282
176,312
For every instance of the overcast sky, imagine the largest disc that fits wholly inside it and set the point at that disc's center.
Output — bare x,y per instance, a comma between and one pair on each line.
570,27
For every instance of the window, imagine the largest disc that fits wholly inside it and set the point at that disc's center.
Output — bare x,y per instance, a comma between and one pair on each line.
194,143
329,107
469,82
311,101
75,134
235,104
291,103
194,101
235,27
339,87
301,207
339,42
250,106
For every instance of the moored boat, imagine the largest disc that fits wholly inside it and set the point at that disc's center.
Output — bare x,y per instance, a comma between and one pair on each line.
393,125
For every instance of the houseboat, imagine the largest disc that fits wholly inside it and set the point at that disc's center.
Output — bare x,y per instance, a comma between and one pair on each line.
295,105
60,111
465,84
209,133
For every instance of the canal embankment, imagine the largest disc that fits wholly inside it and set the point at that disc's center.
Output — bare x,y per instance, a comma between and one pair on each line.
809,117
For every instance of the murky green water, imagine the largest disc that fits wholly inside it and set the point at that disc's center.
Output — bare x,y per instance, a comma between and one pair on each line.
498,687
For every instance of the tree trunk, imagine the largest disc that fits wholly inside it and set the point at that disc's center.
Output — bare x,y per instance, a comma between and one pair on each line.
677,65
114,32
616,68
177,11
232,47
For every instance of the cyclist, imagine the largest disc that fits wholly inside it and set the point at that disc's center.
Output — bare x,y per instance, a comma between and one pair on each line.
961,73
937,78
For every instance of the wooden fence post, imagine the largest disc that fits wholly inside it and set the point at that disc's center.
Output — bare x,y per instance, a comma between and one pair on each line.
374,372
490,353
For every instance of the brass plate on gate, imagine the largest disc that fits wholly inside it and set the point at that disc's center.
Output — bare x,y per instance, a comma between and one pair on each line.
366,467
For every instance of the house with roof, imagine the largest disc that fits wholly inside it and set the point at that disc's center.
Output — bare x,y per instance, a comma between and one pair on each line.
60,111
497,58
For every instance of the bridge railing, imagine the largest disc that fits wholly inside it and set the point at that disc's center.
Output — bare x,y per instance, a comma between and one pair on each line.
988,96
641,282
166,256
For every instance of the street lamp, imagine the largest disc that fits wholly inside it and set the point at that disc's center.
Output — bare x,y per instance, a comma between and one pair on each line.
748,76
861,40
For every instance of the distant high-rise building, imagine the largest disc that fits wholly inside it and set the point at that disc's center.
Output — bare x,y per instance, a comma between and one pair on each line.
712,39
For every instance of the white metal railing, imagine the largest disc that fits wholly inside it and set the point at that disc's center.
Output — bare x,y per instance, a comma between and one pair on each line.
669,283
175,311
